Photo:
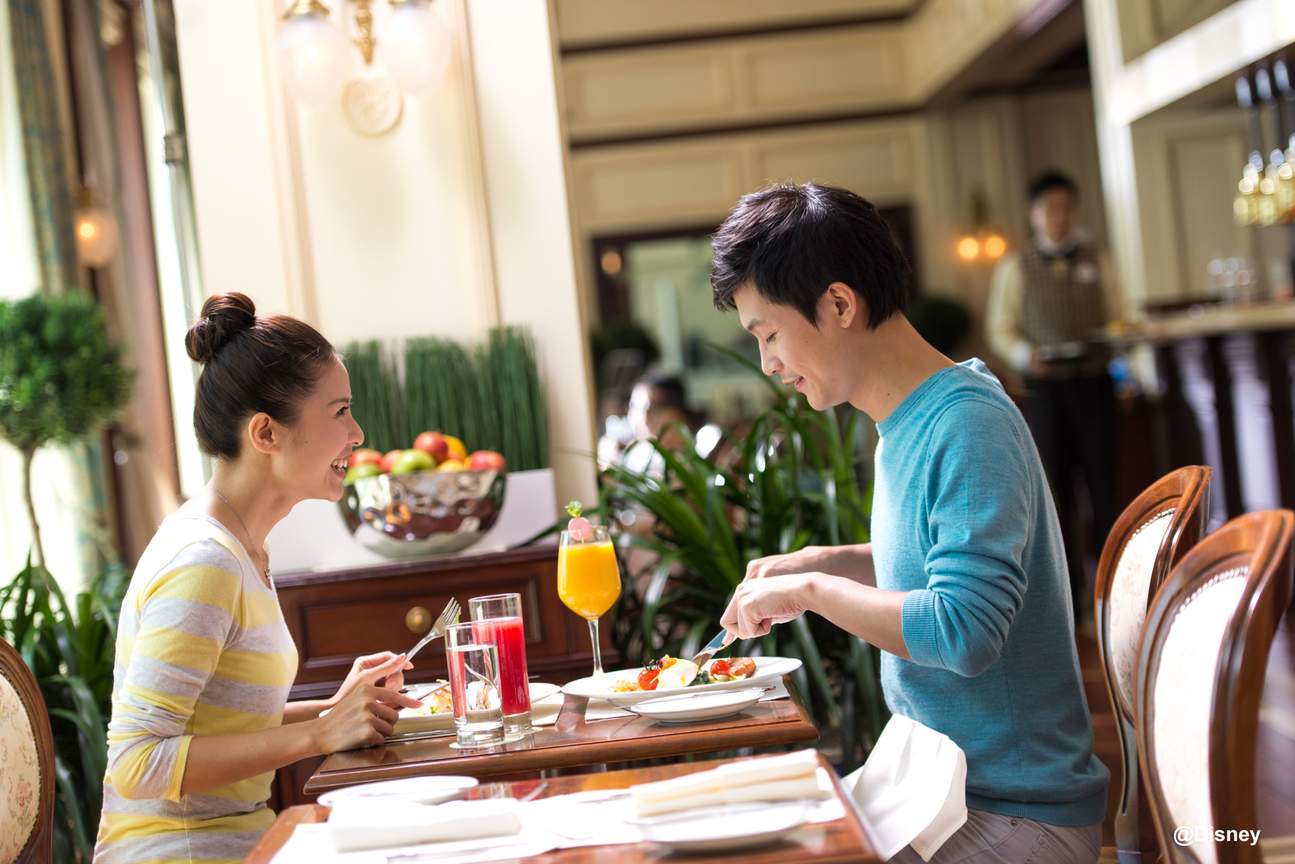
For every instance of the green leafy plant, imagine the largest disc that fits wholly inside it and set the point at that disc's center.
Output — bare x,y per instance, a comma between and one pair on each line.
69,648
60,378
488,395
792,481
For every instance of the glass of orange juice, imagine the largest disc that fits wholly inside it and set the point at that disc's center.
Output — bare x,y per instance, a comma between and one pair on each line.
589,579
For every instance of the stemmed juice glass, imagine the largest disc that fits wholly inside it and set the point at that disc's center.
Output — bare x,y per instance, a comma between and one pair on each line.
589,579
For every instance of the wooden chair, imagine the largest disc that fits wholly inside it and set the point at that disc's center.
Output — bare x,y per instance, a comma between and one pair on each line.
1152,533
26,765
1200,681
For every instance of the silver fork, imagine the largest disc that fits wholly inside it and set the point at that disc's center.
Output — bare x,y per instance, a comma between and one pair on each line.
449,615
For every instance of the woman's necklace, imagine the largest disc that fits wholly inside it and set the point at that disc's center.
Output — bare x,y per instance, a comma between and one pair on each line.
248,534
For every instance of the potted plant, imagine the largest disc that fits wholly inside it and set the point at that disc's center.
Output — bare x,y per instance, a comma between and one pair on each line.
792,481
61,379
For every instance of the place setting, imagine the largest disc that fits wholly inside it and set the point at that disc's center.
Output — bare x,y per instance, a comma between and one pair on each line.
737,805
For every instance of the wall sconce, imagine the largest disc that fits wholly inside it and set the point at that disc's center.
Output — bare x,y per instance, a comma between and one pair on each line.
95,229
982,243
411,45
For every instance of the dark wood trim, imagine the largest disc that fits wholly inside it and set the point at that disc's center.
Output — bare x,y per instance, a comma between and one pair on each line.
1225,415
1276,354
691,37
742,127
39,848
419,567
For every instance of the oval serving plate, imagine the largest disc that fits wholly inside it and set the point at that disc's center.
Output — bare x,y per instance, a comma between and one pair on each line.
767,669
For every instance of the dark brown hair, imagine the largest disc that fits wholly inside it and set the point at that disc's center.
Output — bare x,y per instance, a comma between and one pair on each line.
250,364
793,240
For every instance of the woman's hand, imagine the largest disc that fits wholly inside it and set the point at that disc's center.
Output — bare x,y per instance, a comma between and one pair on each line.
364,717
382,669
761,602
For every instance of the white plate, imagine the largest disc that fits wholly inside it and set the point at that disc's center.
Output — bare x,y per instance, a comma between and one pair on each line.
417,790
407,724
685,707
717,829
767,669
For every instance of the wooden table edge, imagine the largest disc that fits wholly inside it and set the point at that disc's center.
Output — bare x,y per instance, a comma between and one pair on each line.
797,731
308,814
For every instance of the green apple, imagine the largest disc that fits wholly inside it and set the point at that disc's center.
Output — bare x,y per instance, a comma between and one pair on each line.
411,461
358,472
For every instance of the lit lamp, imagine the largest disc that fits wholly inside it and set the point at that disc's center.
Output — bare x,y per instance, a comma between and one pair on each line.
95,230
411,44
982,243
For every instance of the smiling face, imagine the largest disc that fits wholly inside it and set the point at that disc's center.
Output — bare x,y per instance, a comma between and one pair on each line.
308,456
816,361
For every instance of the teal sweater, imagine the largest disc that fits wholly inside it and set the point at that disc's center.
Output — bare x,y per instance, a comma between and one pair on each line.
963,521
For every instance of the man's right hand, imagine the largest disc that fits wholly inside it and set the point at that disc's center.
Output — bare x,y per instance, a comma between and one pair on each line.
363,718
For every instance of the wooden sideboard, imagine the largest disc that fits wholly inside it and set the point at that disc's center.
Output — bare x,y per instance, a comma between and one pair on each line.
335,616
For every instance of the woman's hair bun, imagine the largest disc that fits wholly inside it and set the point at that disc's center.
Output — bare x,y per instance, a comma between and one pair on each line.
223,316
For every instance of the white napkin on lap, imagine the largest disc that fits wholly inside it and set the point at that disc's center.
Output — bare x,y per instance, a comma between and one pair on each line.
912,790
358,825
790,777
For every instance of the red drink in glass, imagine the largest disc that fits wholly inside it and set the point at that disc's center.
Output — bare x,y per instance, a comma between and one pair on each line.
509,638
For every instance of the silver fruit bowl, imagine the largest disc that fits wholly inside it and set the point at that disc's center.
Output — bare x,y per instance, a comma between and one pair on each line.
423,513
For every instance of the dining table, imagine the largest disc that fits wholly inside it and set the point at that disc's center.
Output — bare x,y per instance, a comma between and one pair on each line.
573,742
846,839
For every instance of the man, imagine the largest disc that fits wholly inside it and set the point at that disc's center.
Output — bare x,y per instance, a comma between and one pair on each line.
963,587
1045,305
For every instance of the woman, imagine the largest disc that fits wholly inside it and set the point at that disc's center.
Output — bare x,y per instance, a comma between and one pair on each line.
204,660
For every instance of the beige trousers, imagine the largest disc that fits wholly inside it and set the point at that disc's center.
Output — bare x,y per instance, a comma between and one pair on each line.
988,838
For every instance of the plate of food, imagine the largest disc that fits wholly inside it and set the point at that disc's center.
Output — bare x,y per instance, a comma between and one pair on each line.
629,686
437,711
682,706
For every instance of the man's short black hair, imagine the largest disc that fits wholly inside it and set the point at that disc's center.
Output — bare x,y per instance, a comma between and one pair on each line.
1050,180
793,240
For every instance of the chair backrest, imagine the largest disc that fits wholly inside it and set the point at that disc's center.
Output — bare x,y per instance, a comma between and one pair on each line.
1200,681
1152,533
26,765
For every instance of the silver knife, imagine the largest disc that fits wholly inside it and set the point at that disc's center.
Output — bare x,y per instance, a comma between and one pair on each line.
720,641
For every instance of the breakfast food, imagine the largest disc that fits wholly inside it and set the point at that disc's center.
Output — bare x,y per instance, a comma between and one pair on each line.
435,701
673,673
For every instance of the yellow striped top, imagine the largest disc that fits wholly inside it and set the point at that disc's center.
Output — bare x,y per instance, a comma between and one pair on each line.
202,649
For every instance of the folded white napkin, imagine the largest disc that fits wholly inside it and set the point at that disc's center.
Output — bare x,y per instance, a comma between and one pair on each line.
360,824
912,789
790,777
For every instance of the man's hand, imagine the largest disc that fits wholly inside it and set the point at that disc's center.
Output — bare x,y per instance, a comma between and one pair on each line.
800,561
761,602
382,669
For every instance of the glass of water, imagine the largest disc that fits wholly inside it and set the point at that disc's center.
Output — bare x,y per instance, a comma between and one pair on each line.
474,687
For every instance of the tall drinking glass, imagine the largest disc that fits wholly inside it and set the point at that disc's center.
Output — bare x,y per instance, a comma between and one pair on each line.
474,687
497,619
589,579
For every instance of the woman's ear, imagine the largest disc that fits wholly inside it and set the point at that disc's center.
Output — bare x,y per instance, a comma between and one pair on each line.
844,306
265,435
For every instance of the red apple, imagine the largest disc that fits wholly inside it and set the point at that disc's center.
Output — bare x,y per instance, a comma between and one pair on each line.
486,460
364,457
434,445
389,460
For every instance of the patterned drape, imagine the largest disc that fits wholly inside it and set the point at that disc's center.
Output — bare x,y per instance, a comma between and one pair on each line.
44,147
